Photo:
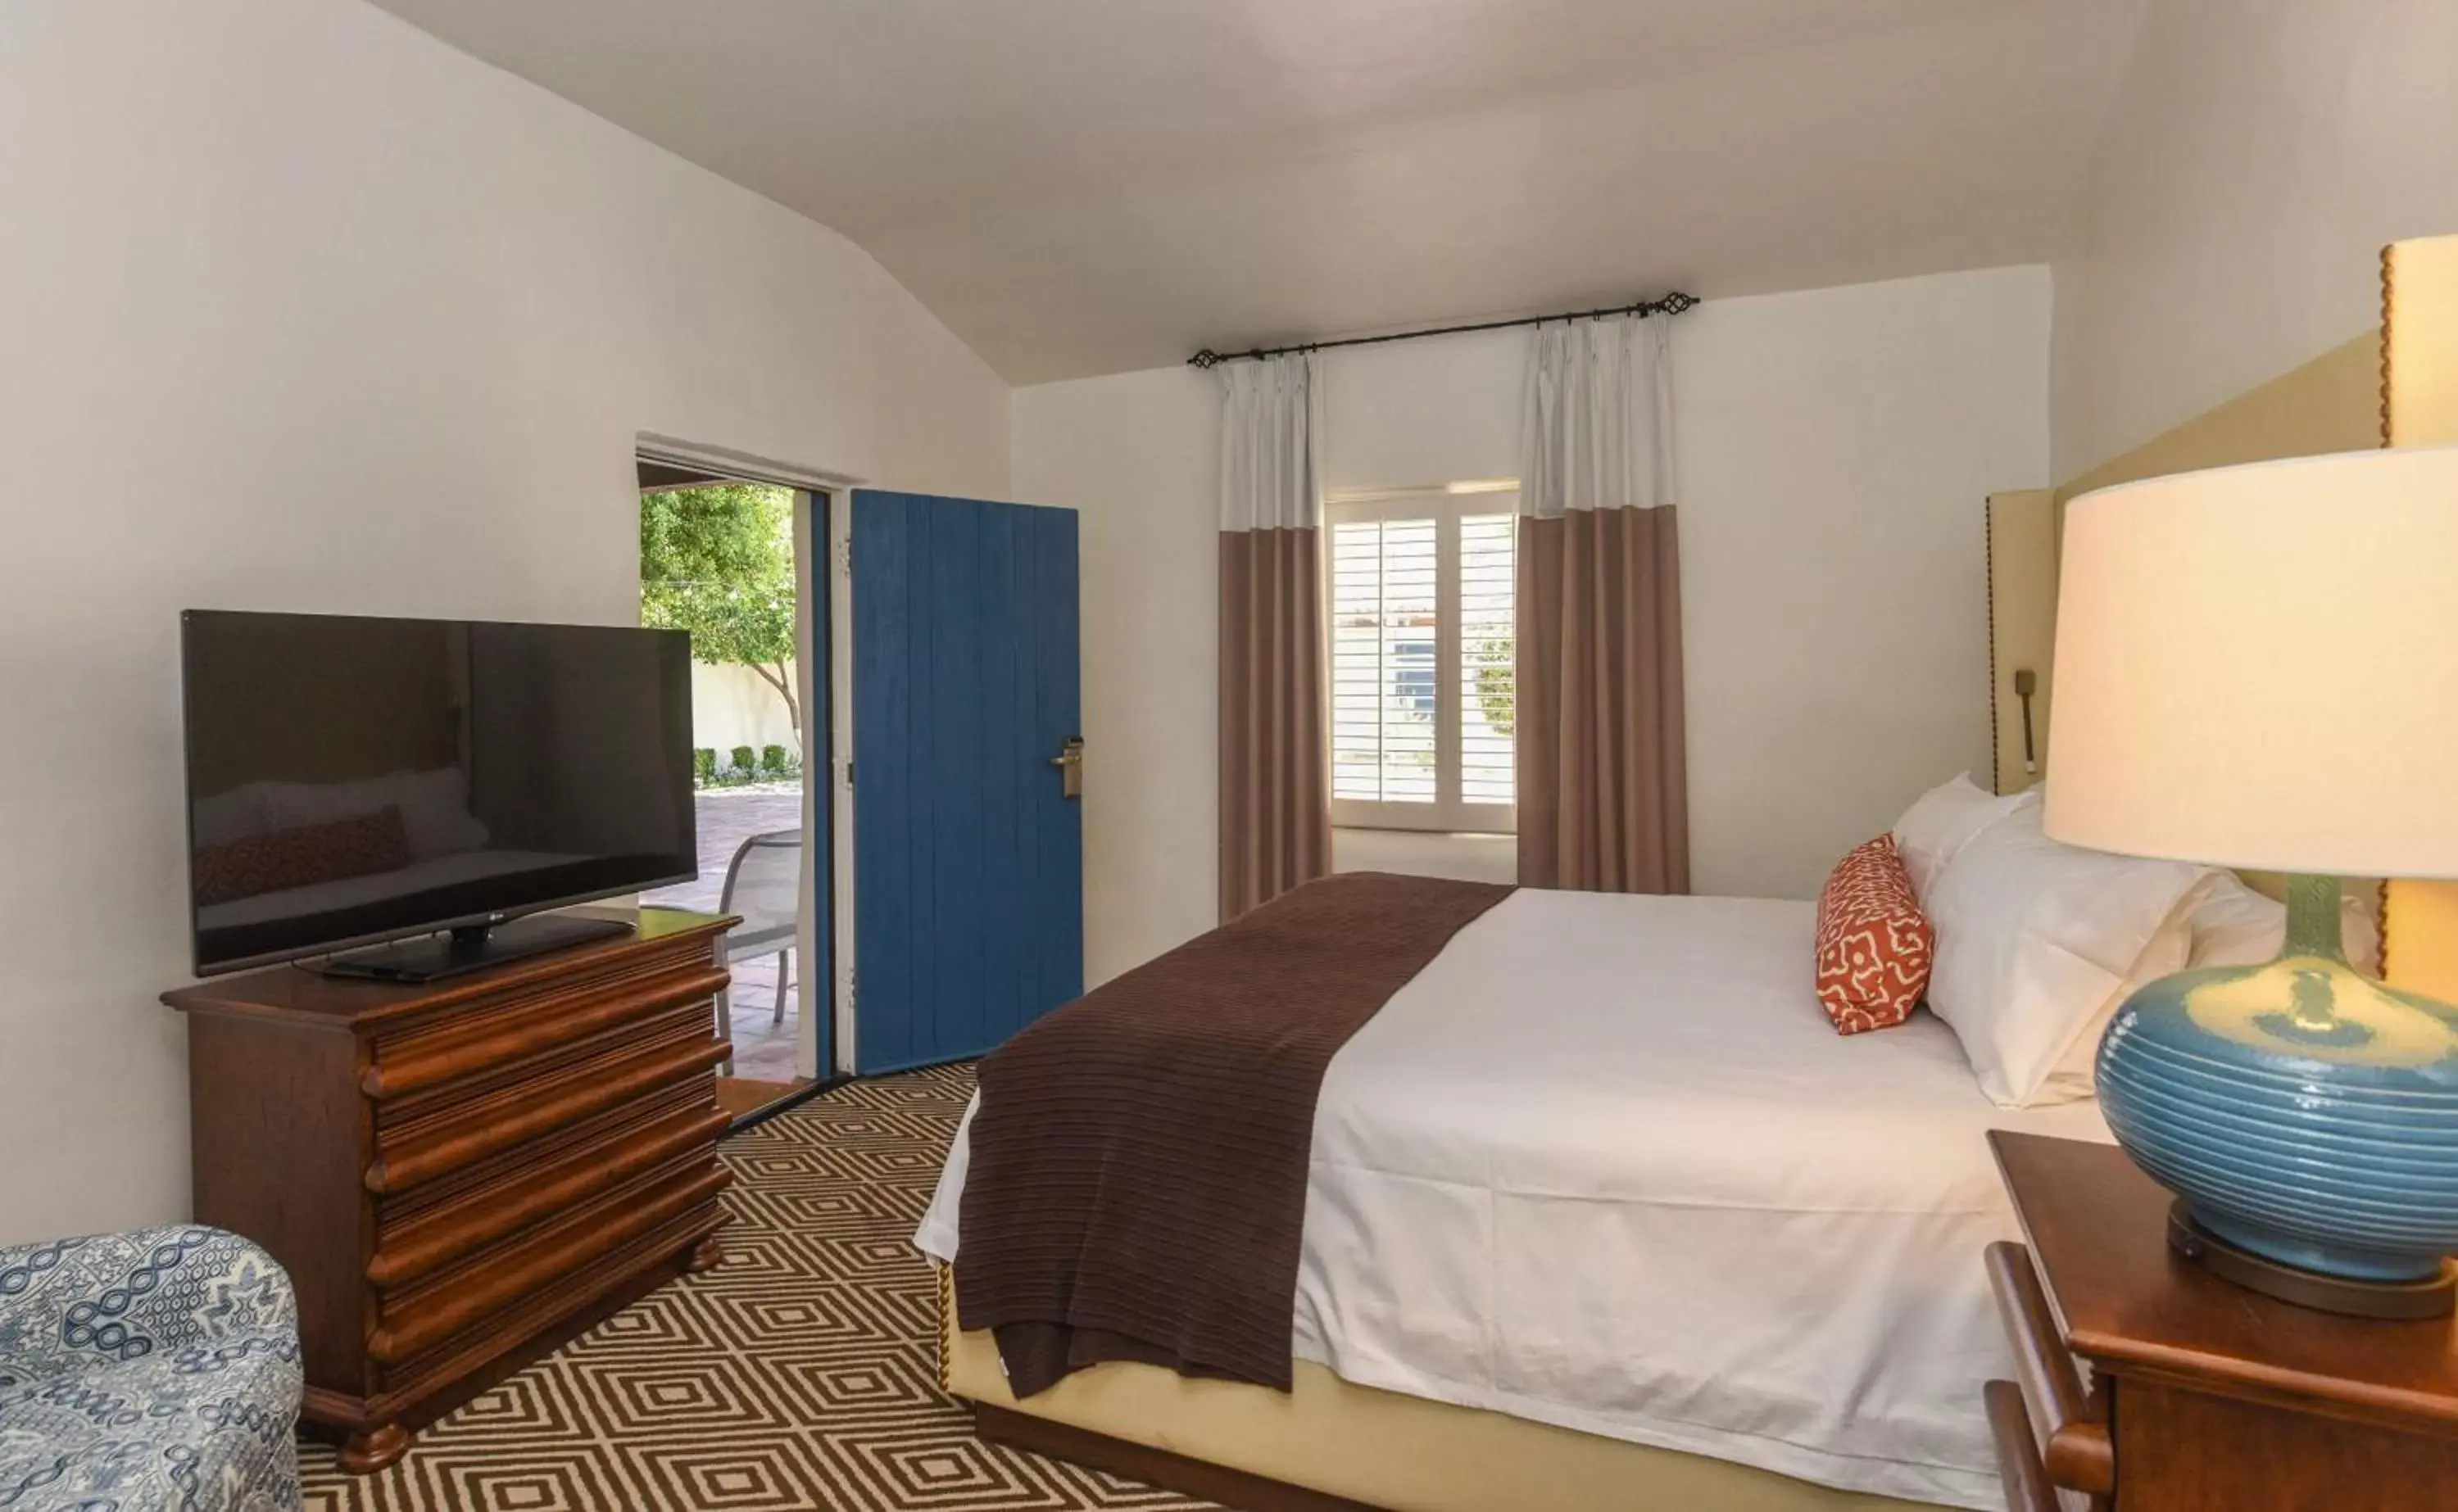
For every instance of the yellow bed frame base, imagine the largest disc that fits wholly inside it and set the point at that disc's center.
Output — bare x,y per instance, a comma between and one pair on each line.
1331,1446
1171,1472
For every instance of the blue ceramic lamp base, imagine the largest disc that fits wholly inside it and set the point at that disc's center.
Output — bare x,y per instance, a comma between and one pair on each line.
2307,1115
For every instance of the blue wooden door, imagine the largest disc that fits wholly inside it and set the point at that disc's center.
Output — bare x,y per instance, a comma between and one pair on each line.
969,860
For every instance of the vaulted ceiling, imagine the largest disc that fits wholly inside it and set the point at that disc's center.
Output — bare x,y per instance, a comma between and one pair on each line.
1086,186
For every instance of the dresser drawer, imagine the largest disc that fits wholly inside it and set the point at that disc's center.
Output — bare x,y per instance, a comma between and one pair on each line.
536,1314
420,1318
433,1226
478,1095
600,1130
484,1040
515,1061
513,1113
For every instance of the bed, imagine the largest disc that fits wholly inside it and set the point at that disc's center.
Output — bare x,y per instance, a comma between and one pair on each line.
1605,1167
1780,1310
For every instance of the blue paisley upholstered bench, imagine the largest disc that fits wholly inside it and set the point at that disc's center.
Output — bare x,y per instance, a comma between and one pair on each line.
156,1370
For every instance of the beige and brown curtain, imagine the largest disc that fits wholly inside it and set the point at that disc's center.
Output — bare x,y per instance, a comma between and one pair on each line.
1602,775
1274,763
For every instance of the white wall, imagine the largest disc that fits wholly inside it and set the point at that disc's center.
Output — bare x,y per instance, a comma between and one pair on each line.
732,705
1835,447
2260,155
1135,455
1837,450
303,310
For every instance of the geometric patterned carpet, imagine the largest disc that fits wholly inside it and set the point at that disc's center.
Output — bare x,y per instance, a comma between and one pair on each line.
800,1374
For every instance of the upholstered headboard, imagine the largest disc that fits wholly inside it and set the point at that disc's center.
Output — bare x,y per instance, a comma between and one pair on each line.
2395,386
2023,531
2419,407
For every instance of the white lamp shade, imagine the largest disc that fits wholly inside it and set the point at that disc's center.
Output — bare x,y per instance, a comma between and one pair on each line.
2257,667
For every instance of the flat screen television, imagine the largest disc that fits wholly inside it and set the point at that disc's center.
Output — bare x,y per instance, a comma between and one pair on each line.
353,780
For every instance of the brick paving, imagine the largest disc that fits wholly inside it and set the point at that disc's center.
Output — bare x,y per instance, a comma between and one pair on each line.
727,818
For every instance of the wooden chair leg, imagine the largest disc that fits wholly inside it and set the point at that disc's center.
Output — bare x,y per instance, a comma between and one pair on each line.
784,962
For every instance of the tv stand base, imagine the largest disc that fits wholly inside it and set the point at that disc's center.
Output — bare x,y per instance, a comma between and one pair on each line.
474,947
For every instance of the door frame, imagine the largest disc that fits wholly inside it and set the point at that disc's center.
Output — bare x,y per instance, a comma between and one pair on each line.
844,1021
813,991
822,498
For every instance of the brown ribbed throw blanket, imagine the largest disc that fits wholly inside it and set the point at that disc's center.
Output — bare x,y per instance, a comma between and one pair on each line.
1139,1162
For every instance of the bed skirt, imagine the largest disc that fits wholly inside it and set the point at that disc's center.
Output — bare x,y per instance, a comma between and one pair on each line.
1379,1448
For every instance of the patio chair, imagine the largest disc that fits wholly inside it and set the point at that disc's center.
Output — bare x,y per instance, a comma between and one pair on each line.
764,887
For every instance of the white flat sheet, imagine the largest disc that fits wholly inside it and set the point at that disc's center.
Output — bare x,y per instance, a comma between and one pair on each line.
1604,1164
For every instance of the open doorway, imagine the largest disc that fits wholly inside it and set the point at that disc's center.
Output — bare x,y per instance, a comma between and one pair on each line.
727,558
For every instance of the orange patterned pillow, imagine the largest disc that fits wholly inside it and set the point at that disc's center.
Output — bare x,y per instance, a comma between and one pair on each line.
1874,945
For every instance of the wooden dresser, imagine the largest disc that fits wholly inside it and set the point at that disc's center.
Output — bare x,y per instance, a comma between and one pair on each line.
2199,1395
462,1174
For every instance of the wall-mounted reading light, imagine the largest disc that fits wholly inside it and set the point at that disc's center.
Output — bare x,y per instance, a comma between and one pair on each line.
2026,682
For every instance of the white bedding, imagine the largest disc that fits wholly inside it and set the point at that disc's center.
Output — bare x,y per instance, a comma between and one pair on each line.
1604,1164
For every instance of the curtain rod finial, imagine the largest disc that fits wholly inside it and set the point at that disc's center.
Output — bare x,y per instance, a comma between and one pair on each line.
1205,359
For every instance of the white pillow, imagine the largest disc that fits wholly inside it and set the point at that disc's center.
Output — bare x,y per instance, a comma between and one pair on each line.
236,813
435,806
1941,821
2360,910
435,813
2233,925
2037,943
2076,1074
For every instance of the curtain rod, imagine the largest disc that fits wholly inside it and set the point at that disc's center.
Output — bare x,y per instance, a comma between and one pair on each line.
1673,304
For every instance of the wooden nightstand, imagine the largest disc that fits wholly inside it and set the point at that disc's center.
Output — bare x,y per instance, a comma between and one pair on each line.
2150,1385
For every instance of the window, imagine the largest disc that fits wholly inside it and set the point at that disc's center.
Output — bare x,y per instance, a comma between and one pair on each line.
1423,660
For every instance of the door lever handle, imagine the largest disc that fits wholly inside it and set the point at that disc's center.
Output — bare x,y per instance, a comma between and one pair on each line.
1069,762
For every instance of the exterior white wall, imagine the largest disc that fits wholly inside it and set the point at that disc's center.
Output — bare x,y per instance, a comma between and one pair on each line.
2260,155
734,706
305,310
1835,448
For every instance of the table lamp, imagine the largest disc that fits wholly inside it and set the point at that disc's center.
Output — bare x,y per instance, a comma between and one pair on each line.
2257,667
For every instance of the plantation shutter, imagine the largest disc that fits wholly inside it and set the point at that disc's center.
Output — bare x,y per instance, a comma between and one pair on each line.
1488,657
1423,662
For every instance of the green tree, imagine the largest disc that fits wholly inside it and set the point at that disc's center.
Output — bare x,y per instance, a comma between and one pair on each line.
1497,685
718,561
